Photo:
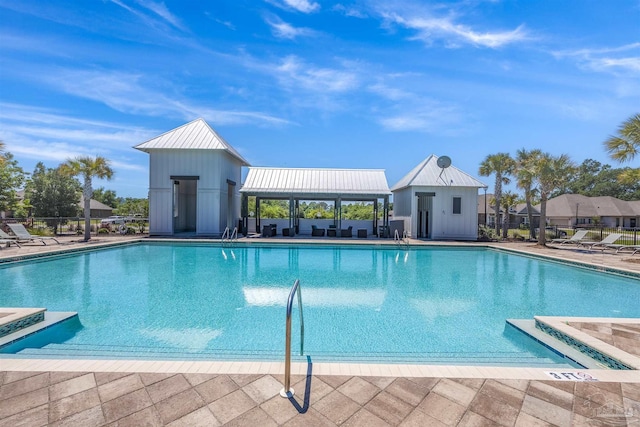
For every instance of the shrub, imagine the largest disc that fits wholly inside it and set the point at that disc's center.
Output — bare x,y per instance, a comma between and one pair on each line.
103,231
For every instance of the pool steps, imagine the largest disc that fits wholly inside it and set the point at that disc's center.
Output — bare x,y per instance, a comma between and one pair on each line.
40,319
575,345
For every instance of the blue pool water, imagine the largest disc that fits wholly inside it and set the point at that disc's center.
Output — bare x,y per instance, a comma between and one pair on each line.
197,301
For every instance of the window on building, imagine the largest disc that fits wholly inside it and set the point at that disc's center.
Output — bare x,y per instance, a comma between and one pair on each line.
457,205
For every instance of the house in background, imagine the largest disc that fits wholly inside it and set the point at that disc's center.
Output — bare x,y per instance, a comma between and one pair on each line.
517,215
575,210
194,181
97,209
437,201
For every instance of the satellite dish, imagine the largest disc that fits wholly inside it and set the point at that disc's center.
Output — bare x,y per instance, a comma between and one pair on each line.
444,162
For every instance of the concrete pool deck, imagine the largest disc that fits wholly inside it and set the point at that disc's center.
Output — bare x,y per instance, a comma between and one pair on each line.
100,392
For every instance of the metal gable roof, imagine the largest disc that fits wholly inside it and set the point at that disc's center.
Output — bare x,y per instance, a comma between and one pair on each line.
195,135
316,181
429,174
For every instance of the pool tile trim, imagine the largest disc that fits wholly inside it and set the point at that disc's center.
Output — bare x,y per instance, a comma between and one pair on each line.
597,349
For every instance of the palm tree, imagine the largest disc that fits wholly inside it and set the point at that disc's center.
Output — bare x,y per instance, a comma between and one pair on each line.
88,167
509,200
551,173
626,145
501,165
1,152
526,162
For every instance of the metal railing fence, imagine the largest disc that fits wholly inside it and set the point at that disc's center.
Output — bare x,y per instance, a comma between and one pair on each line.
69,226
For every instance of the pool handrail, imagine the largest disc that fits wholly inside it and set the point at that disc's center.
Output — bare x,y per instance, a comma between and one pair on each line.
287,391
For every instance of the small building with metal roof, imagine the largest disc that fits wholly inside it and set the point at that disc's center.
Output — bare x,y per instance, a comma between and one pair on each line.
336,185
194,181
437,201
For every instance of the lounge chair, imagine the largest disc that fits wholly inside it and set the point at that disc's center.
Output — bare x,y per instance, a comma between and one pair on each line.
601,245
9,242
576,238
315,231
620,248
23,236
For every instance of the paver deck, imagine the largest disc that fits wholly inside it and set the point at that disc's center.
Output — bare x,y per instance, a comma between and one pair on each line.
38,393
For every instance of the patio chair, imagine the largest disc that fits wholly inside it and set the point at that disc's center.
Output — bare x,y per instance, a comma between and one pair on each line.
576,238
620,248
23,236
9,242
315,231
346,232
601,245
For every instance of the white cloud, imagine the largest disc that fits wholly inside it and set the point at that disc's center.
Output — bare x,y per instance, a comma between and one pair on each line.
284,30
605,59
132,94
161,10
429,117
453,34
303,6
294,73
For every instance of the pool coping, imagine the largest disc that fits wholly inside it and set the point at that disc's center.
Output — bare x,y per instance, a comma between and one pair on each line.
321,368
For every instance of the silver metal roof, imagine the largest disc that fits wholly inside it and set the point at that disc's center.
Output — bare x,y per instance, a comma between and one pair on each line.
429,174
316,182
195,135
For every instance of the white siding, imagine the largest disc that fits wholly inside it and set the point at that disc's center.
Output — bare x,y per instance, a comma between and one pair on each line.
213,168
402,202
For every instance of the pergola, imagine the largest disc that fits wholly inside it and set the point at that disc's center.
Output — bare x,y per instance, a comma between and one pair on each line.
295,184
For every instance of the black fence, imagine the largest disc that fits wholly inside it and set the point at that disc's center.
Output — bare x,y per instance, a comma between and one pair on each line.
71,226
630,236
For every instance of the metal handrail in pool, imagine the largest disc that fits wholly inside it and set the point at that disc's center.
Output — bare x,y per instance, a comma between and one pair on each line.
287,391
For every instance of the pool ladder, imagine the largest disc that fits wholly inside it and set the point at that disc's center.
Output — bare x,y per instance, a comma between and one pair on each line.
229,237
404,241
287,391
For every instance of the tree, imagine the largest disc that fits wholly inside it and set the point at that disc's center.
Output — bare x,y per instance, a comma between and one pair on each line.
11,179
108,197
551,173
132,206
525,171
509,200
626,145
502,165
594,179
52,193
2,159
89,168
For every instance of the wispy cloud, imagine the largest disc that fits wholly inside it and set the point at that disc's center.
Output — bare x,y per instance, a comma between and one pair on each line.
49,135
611,59
303,6
432,23
422,115
294,73
162,11
138,94
284,30
158,9
351,11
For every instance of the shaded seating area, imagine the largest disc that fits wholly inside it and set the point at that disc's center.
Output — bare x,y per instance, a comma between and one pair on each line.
317,232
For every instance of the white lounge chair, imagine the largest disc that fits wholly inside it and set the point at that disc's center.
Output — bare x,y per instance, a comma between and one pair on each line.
602,245
9,242
576,238
24,236
620,248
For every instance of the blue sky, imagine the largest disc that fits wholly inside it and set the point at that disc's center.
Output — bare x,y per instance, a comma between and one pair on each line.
301,83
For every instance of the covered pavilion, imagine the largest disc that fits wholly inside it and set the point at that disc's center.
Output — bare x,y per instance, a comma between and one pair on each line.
296,184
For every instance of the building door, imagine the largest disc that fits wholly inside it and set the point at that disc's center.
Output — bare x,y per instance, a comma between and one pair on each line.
185,201
425,206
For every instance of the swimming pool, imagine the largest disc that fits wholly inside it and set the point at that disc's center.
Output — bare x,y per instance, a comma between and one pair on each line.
361,303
